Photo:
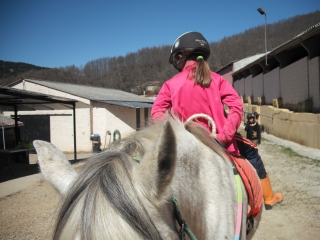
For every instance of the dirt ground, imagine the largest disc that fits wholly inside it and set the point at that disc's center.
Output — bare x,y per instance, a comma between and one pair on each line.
29,214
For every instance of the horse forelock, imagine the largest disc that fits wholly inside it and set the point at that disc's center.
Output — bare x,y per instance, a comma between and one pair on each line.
109,175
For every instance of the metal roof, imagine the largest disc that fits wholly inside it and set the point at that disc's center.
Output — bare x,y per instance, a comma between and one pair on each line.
90,92
295,41
129,104
30,101
315,29
246,61
238,64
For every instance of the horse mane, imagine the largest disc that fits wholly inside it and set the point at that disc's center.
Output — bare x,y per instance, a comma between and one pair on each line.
203,135
101,176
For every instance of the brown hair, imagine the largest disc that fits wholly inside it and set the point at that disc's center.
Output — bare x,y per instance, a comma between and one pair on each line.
200,72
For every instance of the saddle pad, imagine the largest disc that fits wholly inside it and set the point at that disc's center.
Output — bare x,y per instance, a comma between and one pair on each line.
251,183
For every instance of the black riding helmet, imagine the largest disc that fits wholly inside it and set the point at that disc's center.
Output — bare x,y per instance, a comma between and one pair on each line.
250,115
190,44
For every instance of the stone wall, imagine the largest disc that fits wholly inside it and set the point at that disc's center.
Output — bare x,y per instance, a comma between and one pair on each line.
302,128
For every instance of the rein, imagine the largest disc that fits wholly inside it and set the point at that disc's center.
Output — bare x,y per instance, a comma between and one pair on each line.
183,226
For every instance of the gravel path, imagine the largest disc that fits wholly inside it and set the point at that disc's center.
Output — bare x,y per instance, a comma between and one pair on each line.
298,178
29,213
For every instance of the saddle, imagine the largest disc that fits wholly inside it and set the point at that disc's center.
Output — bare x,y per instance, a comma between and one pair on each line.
252,184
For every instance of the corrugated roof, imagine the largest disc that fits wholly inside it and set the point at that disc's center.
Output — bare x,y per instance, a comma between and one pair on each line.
315,29
130,104
246,61
92,93
238,64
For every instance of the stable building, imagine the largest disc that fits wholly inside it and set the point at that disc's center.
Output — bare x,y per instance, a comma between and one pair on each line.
110,114
286,77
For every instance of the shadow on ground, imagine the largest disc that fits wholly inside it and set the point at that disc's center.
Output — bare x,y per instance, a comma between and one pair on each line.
17,169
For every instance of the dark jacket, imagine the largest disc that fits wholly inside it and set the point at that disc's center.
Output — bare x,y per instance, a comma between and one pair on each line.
253,132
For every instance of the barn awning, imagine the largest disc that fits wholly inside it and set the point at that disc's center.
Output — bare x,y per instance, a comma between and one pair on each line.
12,99
31,101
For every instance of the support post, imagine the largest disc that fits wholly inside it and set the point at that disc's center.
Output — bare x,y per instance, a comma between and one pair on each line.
74,131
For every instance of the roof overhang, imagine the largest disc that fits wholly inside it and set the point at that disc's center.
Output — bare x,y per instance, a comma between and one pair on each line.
129,104
304,44
23,100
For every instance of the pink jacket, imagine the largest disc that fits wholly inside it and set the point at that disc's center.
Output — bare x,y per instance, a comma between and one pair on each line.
186,99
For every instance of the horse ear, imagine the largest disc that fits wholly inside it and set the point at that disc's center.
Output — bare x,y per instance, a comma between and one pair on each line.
54,166
156,169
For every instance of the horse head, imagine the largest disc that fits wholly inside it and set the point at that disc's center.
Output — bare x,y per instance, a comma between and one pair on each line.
112,190
115,196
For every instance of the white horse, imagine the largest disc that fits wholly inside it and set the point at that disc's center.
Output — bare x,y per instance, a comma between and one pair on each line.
114,196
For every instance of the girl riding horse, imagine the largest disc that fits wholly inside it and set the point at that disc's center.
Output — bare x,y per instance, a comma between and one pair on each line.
197,90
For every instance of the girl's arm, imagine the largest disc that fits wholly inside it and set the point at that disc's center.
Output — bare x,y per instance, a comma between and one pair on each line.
161,104
230,98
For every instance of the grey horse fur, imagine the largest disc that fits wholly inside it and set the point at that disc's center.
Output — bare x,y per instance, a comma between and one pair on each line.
115,197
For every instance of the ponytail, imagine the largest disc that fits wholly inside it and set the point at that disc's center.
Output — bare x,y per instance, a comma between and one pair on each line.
201,73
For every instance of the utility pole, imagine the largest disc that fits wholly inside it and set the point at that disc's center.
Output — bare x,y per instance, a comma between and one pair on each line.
263,12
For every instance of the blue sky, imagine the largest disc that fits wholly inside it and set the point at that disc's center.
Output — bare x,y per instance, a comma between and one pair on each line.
61,33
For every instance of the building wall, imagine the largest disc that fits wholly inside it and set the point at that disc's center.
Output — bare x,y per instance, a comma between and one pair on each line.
241,87
143,121
293,82
236,86
226,73
248,86
105,117
61,129
271,85
257,87
110,118
314,82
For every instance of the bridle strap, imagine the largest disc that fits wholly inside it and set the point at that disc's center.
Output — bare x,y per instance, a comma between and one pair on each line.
183,226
